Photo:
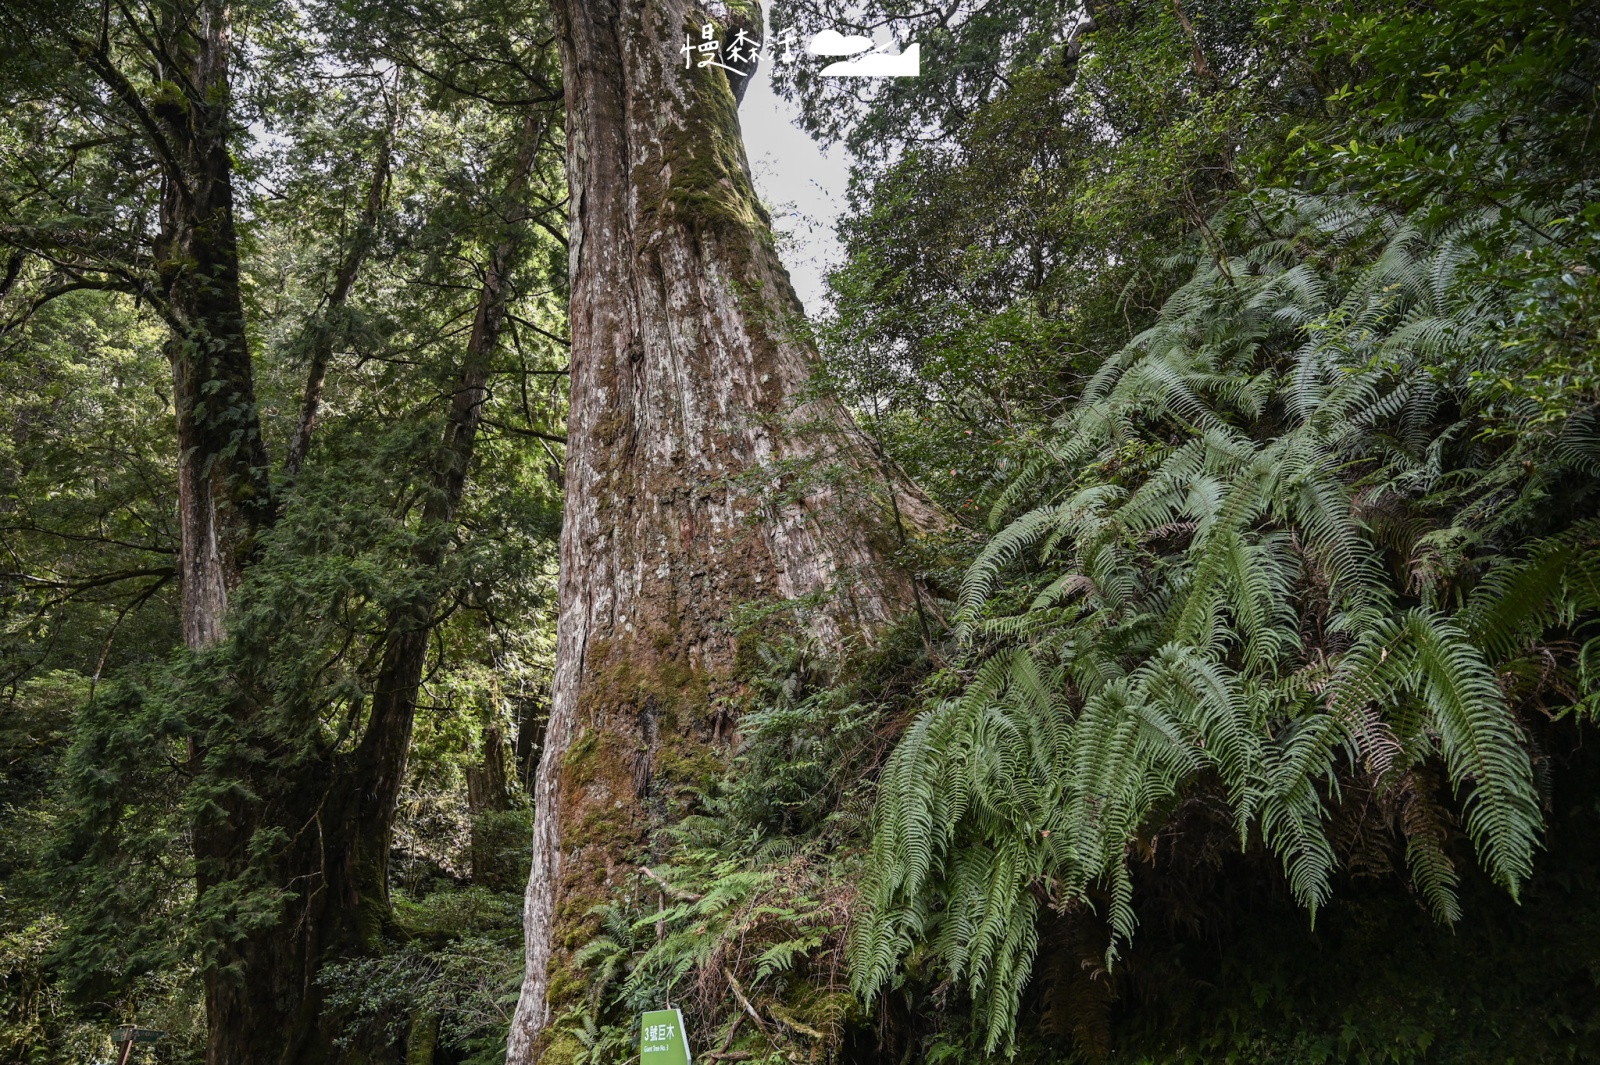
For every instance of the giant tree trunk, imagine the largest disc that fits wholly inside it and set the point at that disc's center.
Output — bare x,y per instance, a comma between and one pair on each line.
184,122
700,476
224,493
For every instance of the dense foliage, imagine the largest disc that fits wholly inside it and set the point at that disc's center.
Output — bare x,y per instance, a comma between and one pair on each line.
374,155
1313,536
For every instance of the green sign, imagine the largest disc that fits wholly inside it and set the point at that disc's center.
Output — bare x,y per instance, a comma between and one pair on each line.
128,1033
662,1040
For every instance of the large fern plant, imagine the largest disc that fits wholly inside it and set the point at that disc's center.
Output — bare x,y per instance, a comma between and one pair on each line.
1269,548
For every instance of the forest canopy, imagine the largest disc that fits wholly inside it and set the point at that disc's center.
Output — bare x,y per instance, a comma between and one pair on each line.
1206,666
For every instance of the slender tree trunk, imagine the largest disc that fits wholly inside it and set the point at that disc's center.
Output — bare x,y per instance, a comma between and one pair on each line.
487,795
224,496
326,329
533,712
700,476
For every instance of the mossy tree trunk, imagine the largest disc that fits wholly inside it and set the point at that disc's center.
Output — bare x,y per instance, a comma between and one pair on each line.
702,477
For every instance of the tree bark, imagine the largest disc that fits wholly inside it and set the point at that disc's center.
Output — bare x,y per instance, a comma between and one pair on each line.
702,476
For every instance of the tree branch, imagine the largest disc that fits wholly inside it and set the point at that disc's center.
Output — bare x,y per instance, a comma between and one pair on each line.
57,291
98,59
563,341
73,588
83,538
519,431
676,892
344,280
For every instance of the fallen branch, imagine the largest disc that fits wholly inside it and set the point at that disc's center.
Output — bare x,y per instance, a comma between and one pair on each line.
738,993
733,1032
